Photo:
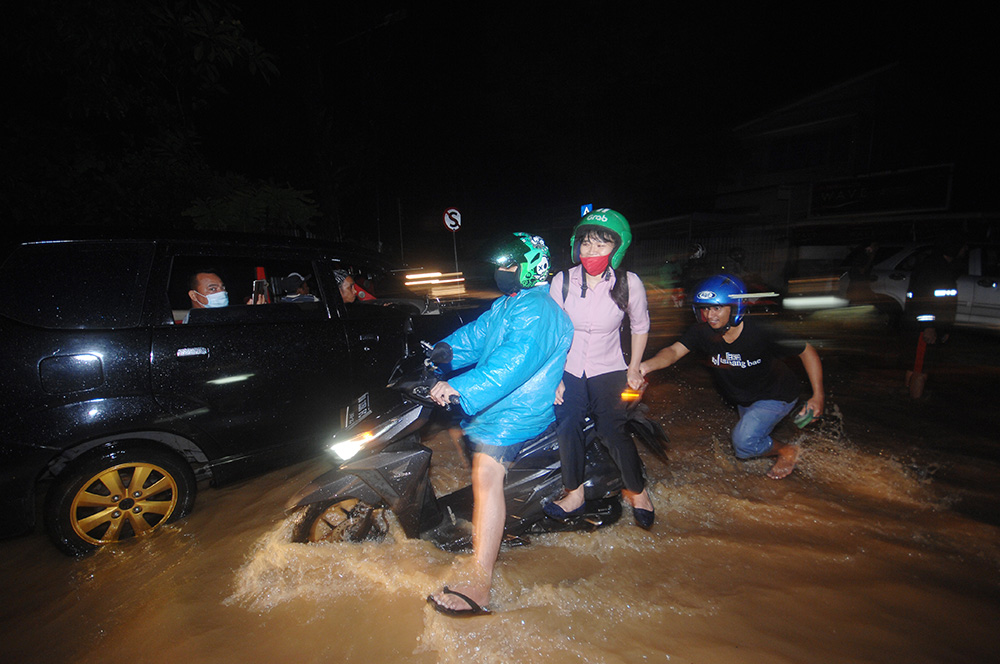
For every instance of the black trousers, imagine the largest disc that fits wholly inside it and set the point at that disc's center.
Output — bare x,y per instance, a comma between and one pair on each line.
601,397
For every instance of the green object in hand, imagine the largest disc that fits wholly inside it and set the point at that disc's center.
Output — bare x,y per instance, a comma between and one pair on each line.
803,418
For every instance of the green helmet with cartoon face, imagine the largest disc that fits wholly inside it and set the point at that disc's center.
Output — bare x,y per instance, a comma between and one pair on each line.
609,221
528,252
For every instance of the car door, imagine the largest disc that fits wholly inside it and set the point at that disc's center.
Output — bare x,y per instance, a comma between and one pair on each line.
376,330
76,352
892,277
253,385
983,286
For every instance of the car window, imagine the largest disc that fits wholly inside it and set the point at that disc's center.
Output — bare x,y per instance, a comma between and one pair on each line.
961,263
991,261
885,253
78,285
286,289
908,263
374,280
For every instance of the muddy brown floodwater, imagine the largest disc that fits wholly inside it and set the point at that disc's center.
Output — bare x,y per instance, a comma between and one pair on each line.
883,546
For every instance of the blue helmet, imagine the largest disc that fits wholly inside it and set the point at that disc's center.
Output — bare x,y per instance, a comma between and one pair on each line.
722,290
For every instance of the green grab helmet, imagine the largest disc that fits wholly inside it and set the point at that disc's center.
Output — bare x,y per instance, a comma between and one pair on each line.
609,220
528,252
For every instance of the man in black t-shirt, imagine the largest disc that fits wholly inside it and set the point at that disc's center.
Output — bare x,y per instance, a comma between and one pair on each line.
746,358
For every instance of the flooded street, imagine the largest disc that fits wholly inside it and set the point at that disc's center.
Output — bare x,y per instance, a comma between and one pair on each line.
883,546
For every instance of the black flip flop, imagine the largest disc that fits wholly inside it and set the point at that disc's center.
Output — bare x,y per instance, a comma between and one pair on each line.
473,610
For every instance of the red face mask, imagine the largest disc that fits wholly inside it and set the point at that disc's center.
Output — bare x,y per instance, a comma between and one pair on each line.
595,265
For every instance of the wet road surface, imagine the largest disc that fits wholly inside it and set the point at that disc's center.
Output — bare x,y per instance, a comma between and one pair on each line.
883,545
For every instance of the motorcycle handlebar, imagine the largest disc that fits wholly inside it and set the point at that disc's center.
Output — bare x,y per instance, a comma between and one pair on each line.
419,388
421,393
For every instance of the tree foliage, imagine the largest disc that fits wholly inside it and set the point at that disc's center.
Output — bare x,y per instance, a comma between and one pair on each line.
102,126
242,205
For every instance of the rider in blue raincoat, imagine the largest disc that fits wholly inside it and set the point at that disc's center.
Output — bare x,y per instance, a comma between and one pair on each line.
518,348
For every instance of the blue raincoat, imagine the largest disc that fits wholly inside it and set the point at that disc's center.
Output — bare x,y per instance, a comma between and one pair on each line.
519,348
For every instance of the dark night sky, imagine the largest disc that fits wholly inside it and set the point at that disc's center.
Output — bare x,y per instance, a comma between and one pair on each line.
518,113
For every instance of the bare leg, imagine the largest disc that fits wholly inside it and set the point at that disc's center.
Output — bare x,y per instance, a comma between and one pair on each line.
488,515
788,456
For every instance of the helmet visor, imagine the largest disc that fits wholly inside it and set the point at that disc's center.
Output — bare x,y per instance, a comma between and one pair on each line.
508,252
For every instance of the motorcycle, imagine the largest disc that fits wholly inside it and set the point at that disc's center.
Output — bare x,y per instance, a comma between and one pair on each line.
383,467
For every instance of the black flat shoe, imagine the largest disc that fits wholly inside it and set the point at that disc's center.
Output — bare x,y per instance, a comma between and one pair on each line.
553,510
643,518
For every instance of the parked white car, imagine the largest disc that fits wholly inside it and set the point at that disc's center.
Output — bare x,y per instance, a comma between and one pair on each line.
978,285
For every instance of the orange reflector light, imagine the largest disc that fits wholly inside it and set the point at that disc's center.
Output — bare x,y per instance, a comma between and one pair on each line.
631,395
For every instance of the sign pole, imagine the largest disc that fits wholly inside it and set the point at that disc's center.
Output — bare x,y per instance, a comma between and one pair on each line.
453,221
399,216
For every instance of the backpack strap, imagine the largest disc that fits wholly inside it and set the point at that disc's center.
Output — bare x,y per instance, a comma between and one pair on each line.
565,285
625,288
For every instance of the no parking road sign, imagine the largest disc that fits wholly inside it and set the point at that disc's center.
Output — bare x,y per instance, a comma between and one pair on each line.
452,219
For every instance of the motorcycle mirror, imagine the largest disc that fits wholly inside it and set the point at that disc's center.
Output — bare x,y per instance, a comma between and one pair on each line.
441,353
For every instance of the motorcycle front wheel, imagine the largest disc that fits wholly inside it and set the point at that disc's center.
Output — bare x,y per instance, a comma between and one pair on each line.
348,520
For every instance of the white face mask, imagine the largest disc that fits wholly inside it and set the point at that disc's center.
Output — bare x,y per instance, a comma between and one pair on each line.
216,300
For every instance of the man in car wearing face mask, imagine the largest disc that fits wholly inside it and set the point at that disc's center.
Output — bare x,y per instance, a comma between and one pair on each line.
517,350
207,292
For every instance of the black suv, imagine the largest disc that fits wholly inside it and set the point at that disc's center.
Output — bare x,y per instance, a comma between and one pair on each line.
117,401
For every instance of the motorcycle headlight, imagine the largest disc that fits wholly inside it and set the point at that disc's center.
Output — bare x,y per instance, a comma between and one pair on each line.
347,449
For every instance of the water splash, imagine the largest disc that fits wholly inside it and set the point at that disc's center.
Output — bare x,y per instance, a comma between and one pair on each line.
278,570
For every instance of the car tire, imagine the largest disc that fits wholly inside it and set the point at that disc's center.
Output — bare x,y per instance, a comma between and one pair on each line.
117,493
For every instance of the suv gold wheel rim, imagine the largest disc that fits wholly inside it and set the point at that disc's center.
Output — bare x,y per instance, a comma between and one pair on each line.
122,501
